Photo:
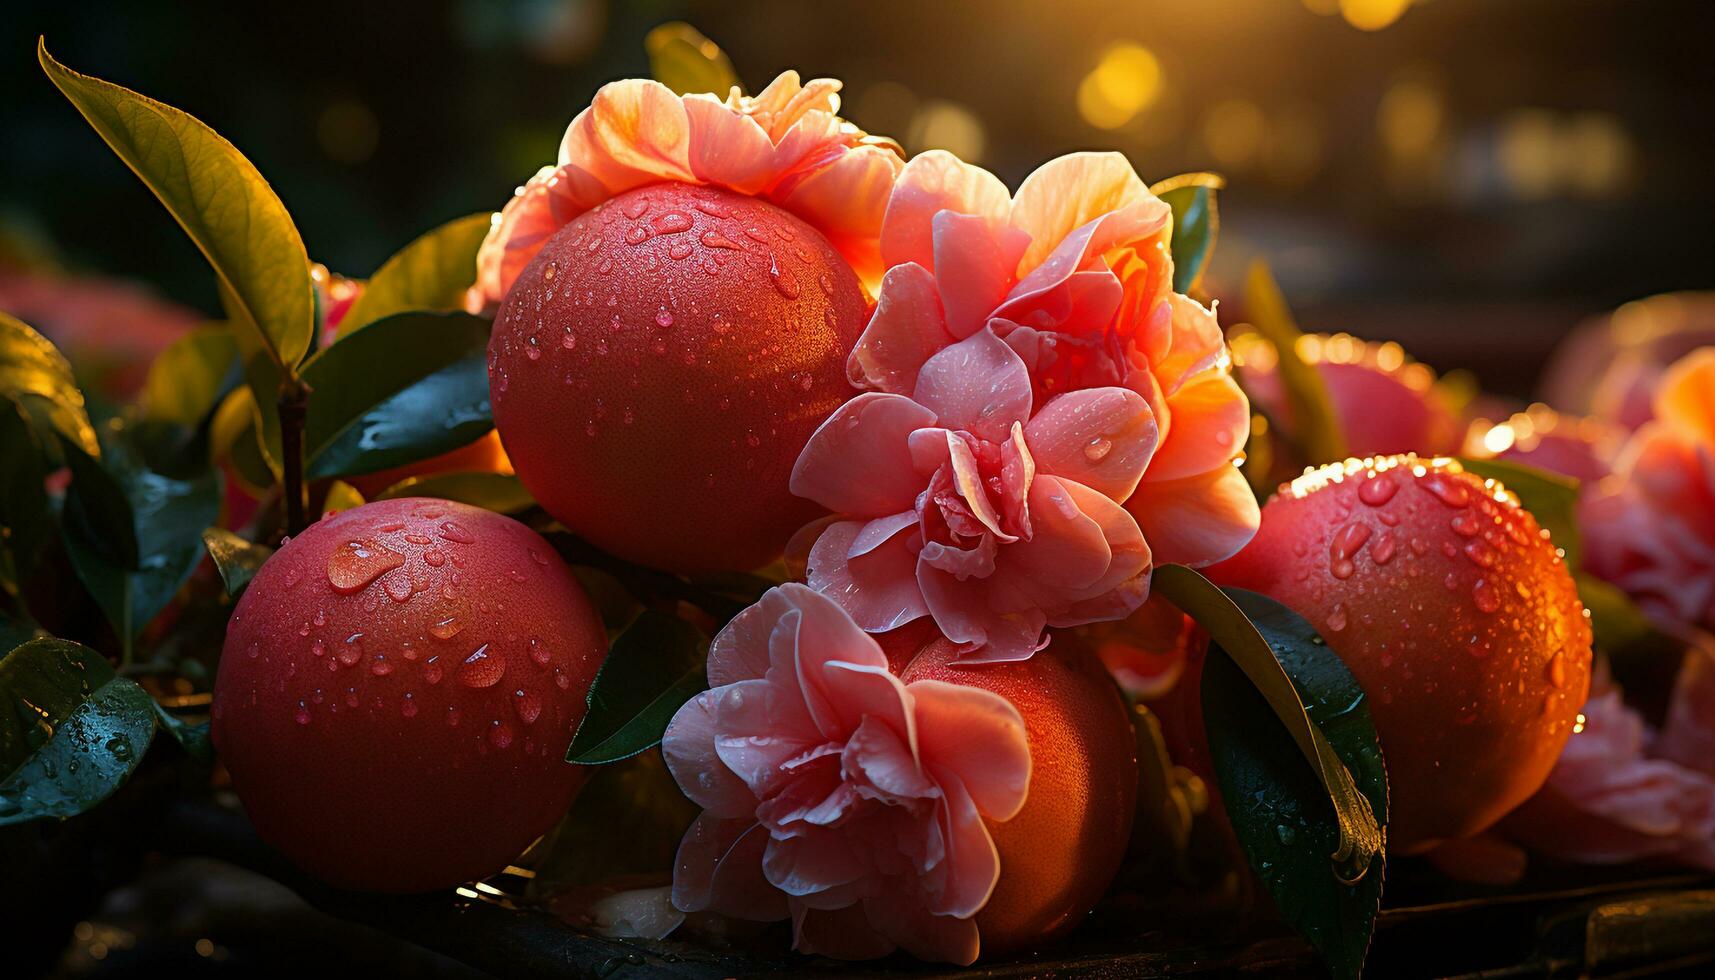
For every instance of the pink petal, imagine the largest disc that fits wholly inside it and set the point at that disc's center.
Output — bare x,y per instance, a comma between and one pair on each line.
979,737
1686,399
1067,551
973,862
761,726
978,384
1081,250
1083,304
968,480
719,868
1125,585
965,613
906,329
974,259
883,757
846,202
635,132
878,589
727,148
843,934
932,182
1207,422
689,750
1102,438
818,861
1196,344
859,461
739,652
929,937
1068,192
977,561
1197,520
796,557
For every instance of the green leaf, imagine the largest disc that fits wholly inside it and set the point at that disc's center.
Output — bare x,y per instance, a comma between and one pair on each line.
236,559
71,730
628,820
221,201
1550,497
655,666
34,374
1196,223
166,517
1317,429
235,437
1278,811
682,59
499,492
402,389
1232,626
431,273
24,515
188,379
192,736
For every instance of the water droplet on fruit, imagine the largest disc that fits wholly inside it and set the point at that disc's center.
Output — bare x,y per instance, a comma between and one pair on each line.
355,564
784,282
636,208
1337,617
671,223
1449,491
1378,489
550,271
445,629
379,665
499,735
528,705
636,235
1383,550
1485,596
538,652
408,706
1480,554
292,575
302,715
481,668
397,586
1348,541
1557,670
432,670
453,531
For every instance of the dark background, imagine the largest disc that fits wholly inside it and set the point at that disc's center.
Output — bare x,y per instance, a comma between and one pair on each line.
1472,179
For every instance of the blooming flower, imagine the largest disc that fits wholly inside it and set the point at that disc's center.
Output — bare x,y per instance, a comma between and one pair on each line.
836,795
786,145
964,505
1074,274
1651,530
1610,367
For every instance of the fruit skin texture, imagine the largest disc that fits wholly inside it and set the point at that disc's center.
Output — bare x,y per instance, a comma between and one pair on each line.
1453,612
402,760
1060,852
658,365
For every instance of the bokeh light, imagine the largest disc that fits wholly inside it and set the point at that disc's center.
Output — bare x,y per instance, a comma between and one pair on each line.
1127,80
943,125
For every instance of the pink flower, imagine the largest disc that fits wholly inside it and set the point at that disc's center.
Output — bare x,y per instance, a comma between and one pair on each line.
786,145
1610,800
1074,274
1610,367
962,504
1583,448
1651,530
837,796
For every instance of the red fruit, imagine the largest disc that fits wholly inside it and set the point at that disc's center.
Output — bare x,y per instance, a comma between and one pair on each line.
657,367
397,691
1457,617
1058,855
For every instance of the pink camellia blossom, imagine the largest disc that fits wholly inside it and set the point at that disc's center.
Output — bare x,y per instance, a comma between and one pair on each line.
786,145
1651,528
1074,275
836,795
1611,366
961,503
1612,798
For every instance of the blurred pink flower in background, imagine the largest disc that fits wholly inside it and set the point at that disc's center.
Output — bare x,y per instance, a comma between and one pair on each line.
1578,447
836,795
1610,367
786,145
1073,273
964,505
109,329
1651,529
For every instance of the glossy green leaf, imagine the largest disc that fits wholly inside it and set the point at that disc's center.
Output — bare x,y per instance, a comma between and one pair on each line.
1279,811
166,517
236,559
221,201
188,379
402,389
1315,427
34,374
431,273
24,515
1196,223
499,492
628,820
1550,497
682,59
71,730
655,666
193,737
1231,625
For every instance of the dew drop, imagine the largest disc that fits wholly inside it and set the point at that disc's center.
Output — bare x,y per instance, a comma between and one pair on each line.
481,668
528,706
445,629
397,587
1337,617
408,706
453,531
1485,596
379,666
355,564
1097,449
499,735
302,715
432,670
1378,489
1446,489
539,652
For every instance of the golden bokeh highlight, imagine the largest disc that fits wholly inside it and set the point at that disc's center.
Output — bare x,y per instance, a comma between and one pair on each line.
1372,15
943,125
1411,118
1234,130
1126,81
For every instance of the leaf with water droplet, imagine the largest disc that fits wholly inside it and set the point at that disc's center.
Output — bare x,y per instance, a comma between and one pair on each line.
71,730
400,390
1269,674
654,667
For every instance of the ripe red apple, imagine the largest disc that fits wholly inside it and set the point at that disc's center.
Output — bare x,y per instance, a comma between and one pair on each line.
657,367
1060,852
1456,615
397,690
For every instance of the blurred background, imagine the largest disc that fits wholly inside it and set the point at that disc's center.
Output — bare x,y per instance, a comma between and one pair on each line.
1469,177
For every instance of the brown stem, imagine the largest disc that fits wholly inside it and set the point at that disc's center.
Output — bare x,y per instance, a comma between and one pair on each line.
294,406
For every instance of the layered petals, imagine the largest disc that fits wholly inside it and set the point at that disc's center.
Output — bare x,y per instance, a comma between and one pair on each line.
836,795
786,145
